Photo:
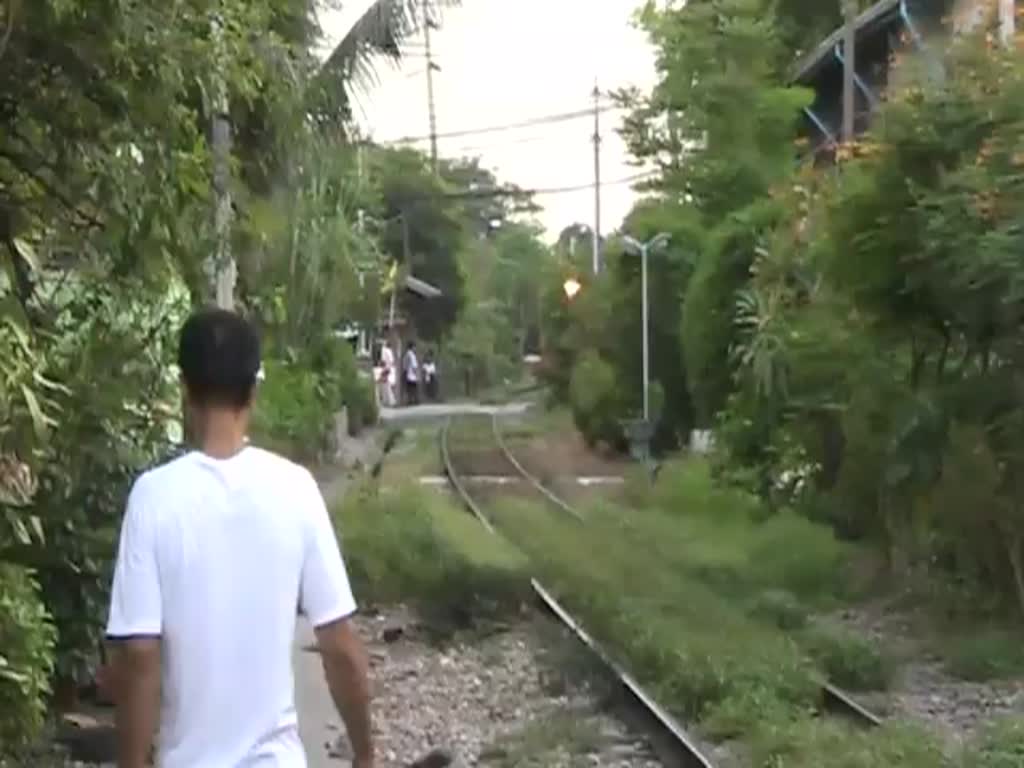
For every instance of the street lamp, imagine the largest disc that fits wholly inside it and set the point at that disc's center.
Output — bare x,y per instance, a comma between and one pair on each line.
571,287
635,246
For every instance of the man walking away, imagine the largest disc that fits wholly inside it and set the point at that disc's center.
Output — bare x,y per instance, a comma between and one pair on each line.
411,368
217,549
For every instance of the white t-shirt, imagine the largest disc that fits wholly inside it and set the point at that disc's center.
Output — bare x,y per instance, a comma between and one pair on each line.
387,359
412,366
215,557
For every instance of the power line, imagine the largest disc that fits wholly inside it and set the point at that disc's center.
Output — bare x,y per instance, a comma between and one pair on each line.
483,194
542,120
590,185
468,149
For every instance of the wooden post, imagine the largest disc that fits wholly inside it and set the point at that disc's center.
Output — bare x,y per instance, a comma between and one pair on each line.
849,68
1007,21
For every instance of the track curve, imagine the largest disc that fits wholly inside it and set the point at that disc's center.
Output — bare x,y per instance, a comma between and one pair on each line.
834,698
675,747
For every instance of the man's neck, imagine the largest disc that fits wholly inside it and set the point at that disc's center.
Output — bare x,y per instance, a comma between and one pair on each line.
221,433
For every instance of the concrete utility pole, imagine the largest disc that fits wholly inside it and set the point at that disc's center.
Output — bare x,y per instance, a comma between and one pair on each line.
849,67
597,180
1007,22
221,265
431,66
643,249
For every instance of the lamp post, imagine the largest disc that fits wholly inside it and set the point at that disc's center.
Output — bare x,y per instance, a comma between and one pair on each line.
635,246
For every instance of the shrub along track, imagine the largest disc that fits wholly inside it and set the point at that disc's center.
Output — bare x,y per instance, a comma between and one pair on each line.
683,747
834,698
674,746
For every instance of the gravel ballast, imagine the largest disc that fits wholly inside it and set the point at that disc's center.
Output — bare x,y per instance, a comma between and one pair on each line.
497,697
488,698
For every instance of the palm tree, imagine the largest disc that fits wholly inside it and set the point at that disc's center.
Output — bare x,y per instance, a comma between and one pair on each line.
379,34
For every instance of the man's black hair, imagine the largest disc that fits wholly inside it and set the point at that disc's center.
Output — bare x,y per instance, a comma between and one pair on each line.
219,358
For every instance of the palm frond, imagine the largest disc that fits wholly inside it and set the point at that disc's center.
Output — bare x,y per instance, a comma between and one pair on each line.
378,35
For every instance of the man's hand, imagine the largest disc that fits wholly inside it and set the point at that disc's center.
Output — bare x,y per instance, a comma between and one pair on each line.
134,675
346,669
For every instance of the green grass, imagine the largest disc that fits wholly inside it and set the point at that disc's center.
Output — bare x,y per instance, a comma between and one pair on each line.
701,594
705,598
847,659
416,453
1001,745
984,653
551,739
412,545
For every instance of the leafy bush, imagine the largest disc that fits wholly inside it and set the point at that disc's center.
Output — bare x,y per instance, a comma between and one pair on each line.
300,394
985,653
791,553
732,541
687,488
27,645
780,609
847,659
828,743
690,646
360,399
412,545
290,414
594,399
1001,745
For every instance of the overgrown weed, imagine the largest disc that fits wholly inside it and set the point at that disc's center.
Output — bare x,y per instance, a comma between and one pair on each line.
415,546
704,610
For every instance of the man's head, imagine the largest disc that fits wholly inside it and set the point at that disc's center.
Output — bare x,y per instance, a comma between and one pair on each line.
219,359
412,346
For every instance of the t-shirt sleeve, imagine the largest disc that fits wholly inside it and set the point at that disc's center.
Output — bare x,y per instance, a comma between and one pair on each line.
326,594
136,605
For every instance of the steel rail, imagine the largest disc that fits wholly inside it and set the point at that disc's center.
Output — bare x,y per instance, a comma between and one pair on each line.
675,746
834,698
529,477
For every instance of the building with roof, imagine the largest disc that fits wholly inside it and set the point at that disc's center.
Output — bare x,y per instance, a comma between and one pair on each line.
883,30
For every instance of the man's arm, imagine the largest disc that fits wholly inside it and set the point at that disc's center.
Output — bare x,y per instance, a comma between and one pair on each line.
133,629
347,672
327,601
135,673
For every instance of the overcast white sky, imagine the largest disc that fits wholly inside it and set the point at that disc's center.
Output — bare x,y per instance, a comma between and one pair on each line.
506,61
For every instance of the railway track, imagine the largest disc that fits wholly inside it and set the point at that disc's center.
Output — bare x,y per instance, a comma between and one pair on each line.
674,745
834,698
670,741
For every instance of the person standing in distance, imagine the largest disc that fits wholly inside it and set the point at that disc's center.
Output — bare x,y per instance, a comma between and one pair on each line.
411,368
217,549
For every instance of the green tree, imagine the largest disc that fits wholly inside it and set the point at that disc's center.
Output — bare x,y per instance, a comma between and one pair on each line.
421,228
721,125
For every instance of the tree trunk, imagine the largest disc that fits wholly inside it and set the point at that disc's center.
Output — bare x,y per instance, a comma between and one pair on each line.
940,364
1014,554
833,445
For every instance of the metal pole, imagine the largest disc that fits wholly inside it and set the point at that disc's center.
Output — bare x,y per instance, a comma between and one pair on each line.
1007,22
643,290
596,258
849,68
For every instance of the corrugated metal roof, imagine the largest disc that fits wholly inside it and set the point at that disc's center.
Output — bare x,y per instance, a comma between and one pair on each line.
878,15
422,287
